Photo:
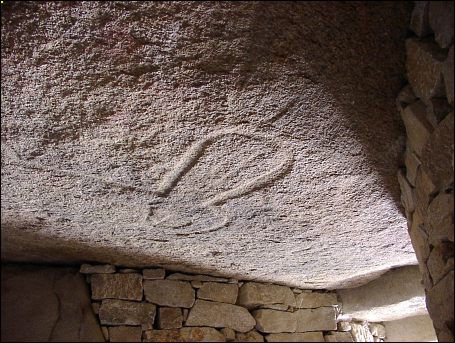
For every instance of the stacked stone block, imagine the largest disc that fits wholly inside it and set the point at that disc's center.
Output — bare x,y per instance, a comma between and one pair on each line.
153,305
426,181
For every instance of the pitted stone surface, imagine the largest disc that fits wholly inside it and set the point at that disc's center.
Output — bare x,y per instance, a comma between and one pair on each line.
437,154
253,295
118,286
361,333
250,336
170,318
125,334
99,269
169,293
315,299
153,274
418,128
339,337
225,293
120,312
317,319
272,321
228,333
201,334
220,315
377,330
146,133
186,277
295,337
424,65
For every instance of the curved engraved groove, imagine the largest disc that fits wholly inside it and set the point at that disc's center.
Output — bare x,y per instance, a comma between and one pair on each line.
177,221
254,184
196,150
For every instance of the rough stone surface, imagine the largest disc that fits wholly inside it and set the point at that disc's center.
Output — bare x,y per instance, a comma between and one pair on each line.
412,163
162,336
96,307
440,218
225,293
46,304
228,333
272,321
125,334
317,319
118,286
127,271
187,277
169,293
153,274
147,133
279,307
98,269
361,333
396,294
440,301
170,318
448,72
344,326
407,192
201,335
440,261
253,294
120,312
196,284
220,315
315,299
437,154
377,330
437,109
250,336
411,329
419,19
105,331
425,190
185,314
295,337
441,22
419,238
418,128
424,68
339,337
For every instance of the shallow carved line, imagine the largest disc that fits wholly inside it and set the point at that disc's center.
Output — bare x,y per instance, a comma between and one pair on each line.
254,184
195,151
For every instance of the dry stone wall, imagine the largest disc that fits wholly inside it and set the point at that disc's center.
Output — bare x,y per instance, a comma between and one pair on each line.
426,180
155,305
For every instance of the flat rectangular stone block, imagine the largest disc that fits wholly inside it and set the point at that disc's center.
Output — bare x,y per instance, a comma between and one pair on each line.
116,286
120,312
169,293
318,319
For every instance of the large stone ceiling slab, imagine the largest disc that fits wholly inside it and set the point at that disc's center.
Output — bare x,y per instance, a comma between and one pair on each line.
258,140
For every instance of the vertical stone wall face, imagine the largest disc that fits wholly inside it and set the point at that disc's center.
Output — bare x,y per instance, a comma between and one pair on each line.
426,180
152,305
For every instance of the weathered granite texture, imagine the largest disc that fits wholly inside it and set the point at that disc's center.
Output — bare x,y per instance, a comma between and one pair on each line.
248,139
46,304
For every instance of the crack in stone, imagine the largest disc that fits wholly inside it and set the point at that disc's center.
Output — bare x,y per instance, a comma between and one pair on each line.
59,309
